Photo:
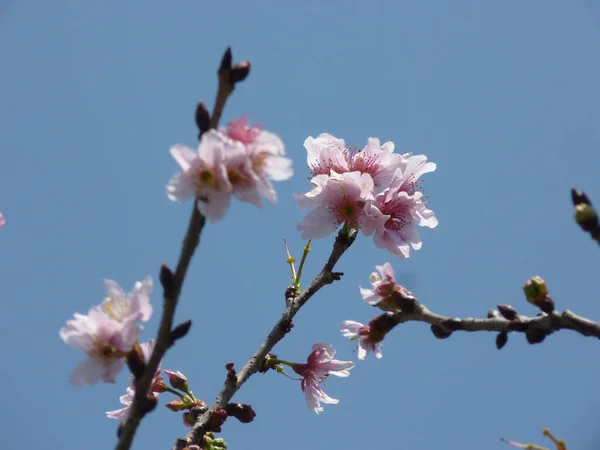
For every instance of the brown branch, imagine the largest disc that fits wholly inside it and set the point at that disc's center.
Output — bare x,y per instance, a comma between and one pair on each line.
503,320
173,282
343,241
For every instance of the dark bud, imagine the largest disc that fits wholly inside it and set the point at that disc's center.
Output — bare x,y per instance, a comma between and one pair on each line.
149,404
535,337
231,374
440,332
501,340
226,61
198,408
508,312
202,118
135,361
217,419
579,197
180,331
243,413
167,279
239,72
547,304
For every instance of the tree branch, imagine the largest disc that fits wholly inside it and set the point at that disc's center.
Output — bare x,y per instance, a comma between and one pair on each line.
343,241
504,320
173,282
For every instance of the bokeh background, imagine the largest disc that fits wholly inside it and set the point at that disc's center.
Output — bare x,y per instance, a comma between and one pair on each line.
503,96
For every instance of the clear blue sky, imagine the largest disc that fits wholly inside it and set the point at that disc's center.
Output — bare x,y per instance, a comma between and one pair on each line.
503,96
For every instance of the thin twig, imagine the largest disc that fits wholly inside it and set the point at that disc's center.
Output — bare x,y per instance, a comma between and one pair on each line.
342,242
141,405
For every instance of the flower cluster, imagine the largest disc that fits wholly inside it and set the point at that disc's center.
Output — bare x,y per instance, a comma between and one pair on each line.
109,332
239,160
372,189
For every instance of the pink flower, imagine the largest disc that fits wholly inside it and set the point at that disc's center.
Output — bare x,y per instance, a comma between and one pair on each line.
2,220
105,342
127,399
336,199
377,160
120,305
397,209
326,153
204,174
367,343
265,152
319,365
383,286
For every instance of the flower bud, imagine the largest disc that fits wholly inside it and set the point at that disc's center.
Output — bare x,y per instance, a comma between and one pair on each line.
586,217
158,384
536,293
178,404
239,72
202,118
177,380
188,419
219,443
243,413
508,312
501,340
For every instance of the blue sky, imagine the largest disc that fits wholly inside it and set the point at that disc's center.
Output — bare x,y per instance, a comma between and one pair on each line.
503,96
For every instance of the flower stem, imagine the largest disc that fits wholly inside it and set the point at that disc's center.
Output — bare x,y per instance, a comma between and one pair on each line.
304,255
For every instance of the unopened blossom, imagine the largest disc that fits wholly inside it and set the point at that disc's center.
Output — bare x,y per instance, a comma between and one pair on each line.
398,209
177,380
383,284
367,343
104,340
265,151
204,173
127,399
334,200
120,305
319,365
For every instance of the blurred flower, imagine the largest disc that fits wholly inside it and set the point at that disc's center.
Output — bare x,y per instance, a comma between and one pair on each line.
383,285
127,399
319,365
104,340
366,343
120,306
2,220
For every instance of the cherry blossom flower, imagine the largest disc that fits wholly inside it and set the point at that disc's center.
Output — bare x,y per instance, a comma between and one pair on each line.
120,305
367,342
326,153
401,207
127,399
336,199
377,160
319,365
105,342
204,173
2,220
383,285
265,151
